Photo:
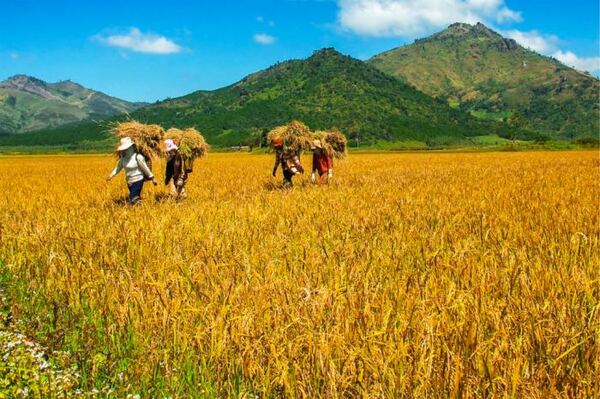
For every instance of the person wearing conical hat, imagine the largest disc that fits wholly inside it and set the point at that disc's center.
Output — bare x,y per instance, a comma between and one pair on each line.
136,169
177,171
322,164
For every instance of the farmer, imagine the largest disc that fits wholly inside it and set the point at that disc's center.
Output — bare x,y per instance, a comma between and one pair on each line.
322,164
136,169
289,160
177,171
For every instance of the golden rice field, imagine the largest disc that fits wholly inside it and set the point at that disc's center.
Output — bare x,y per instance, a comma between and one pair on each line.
413,275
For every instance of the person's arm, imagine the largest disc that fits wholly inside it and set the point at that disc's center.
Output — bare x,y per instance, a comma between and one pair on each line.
277,162
116,170
189,166
180,172
298,164
329,167
315,167
144,167
169,171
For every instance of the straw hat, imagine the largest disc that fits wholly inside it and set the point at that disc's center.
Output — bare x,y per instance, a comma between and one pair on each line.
317,144
126,142
170,145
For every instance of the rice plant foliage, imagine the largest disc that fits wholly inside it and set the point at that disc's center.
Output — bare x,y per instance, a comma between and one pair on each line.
412,275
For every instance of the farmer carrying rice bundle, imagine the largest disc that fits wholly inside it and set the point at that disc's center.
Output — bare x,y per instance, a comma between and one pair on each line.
322,163
182,147
325,147
288,142
138,144
147,138
136,169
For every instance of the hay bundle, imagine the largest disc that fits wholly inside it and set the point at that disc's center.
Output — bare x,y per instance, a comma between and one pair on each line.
334,143
296,136
190,142
147,138
338,142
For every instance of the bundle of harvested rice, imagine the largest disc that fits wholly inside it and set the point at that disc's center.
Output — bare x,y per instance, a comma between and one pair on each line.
321,135
333,142
295,136
147,138
338,142
190,142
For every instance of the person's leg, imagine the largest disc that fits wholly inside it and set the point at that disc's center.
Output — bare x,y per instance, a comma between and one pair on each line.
287,178
181,191
172,189
135,191
323,178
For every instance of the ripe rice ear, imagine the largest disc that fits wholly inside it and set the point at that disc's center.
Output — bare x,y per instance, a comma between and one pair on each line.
174,134
296,136
147,138
321,135
191,143
334,143
338,142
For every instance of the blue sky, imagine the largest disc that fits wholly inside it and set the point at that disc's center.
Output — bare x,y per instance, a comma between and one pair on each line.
146,50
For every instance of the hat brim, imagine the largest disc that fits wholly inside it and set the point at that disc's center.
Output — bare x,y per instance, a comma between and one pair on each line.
124,147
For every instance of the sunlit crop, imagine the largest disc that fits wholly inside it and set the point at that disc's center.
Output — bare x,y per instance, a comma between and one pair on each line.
415,275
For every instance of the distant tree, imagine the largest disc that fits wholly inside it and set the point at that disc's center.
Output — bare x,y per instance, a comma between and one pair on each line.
541,138
516,122
11,101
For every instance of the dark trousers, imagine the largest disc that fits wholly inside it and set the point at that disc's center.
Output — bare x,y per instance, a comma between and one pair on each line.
135,191
287,177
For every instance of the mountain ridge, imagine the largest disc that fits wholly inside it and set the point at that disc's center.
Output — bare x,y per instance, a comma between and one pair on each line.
28,104
480,71
326,90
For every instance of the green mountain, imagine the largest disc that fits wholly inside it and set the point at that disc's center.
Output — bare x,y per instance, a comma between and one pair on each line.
326,90
28,104
478,70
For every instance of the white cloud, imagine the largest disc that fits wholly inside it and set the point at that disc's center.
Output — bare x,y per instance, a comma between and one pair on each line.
544,44
411,18
549,45
264,39
140,42
590,64
415,18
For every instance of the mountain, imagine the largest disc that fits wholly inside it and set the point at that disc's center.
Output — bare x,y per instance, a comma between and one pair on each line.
476,69
326,90
28,104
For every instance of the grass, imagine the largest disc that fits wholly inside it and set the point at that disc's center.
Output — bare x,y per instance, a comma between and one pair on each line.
497,116
416,275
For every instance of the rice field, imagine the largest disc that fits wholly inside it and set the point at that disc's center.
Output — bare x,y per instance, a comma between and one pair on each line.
412,275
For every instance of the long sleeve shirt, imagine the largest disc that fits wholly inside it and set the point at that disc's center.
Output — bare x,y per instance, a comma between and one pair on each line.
322,162
177,168
278,160
135,167
289,160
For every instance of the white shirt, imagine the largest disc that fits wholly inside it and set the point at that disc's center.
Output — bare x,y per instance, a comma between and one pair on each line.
135,167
